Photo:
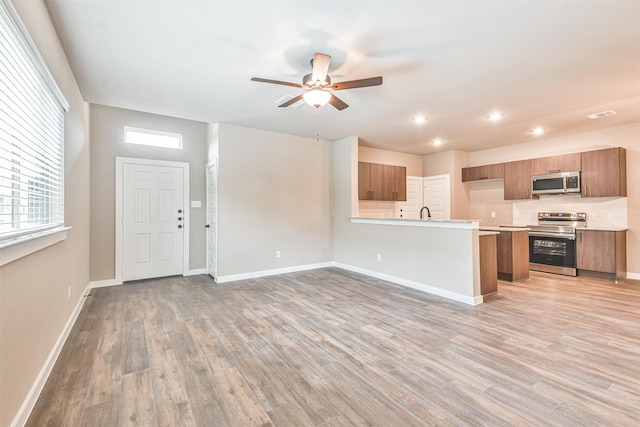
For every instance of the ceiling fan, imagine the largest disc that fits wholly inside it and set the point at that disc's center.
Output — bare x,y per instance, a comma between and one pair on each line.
318,86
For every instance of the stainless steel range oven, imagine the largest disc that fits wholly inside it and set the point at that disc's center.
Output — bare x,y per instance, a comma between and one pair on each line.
552,242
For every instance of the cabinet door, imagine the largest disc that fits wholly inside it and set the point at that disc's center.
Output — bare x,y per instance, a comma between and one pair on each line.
596,251
379,186
604,173
364,181
400,183
480,173
554,164
517,180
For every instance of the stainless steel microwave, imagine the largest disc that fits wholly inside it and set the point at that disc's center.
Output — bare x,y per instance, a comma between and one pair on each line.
556,183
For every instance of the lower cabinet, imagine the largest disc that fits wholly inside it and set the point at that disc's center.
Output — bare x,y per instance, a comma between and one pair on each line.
513,255
488,265
602,253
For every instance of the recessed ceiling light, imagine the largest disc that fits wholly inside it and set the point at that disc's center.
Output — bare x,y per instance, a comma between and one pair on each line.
537,131
437,141
495,116
419,119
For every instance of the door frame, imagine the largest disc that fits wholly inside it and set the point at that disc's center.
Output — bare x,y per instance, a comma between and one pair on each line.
120,162
215,213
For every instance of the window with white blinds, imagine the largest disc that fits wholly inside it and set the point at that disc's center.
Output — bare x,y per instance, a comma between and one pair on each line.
31,136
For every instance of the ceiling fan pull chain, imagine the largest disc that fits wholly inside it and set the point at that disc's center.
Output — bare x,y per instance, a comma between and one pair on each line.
317,125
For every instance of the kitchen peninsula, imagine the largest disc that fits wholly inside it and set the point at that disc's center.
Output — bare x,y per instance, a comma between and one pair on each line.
440,257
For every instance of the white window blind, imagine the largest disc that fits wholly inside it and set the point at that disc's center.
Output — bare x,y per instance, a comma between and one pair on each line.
31,136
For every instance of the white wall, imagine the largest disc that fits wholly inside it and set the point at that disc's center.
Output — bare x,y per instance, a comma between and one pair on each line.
34,307
274,195
107,143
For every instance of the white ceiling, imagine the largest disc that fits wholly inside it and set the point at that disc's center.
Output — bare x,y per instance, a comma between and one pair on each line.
541,63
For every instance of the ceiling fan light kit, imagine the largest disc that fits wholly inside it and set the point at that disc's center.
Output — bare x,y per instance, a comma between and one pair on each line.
316,97
318,87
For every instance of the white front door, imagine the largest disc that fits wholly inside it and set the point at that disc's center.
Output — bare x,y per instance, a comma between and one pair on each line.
436,196
153,222
411,208
212,223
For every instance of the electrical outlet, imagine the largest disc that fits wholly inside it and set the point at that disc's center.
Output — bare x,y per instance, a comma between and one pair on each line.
69,293
379,257
493,214
609,215
278,254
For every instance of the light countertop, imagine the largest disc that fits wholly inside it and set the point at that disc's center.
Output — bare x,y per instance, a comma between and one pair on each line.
587,228
499,228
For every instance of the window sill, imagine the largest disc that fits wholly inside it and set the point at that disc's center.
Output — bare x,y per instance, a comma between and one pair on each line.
13,250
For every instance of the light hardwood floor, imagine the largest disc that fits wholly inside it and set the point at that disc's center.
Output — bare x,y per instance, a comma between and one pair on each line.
333,348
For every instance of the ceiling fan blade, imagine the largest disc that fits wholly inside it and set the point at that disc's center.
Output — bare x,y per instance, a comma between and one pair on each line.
352,84
277,82
337,102
291,101
320,67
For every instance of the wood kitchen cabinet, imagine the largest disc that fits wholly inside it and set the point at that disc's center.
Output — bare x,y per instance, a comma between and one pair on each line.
553,164
480,173
602,253
382,182
604,173
513,255
517,180
488,265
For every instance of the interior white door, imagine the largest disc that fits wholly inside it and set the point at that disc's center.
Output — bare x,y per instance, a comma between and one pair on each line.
437,196
153,221
411,208
212,220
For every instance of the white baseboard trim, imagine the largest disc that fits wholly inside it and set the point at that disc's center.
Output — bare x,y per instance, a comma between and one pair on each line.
32,397
196,271
634,276
414,285
103,283
264,273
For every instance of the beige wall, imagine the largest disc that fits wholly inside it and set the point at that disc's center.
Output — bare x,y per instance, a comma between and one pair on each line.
107,143
412,162
274,195
33,290
627,136
451,163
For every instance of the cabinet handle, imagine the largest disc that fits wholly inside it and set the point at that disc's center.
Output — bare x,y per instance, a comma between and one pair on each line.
484,177
554,171
586,191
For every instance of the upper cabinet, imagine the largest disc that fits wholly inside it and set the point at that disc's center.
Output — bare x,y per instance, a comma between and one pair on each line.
517,180
478,173
604,173
554,164
382,182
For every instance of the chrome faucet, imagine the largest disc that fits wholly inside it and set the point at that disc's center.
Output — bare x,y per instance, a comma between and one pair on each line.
422,212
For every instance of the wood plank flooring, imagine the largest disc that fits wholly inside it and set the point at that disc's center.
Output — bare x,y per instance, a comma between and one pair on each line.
333,348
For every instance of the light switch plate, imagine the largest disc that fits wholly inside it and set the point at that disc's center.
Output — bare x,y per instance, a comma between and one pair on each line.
196,204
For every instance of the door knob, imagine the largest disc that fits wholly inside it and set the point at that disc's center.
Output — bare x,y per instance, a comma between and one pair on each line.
180,226
179,218
179,210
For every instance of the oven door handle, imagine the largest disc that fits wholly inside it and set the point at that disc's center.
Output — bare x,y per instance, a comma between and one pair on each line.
557,235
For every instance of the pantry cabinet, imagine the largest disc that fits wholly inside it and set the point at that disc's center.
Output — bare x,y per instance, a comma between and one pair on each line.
604,173
554,164
517,180
382,182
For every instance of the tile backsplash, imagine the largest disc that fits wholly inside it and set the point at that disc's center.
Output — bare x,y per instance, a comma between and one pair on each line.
601,211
